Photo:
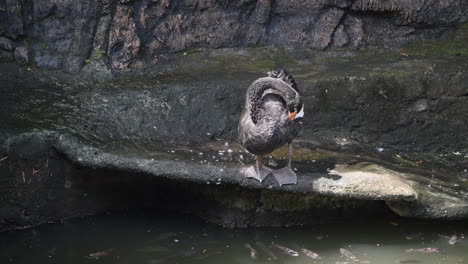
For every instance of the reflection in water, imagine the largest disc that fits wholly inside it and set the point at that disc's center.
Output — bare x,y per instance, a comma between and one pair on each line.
154,239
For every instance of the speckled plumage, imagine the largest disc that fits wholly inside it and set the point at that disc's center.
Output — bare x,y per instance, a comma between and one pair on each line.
264,124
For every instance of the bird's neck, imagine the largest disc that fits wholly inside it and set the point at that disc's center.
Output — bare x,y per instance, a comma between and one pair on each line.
264,86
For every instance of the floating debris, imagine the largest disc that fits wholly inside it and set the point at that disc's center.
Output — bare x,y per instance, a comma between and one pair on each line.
320,236
99,254
452,240
423,250
413,236
408,261
253,252
209,254
348,254
266,250
310,254
393,223
286,250
4,158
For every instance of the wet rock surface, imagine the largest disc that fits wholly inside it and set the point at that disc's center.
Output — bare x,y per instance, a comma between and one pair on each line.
377,129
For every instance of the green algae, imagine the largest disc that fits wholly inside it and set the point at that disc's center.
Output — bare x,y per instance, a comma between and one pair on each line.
262,201
243,199
97,54
254,60
456,44
400,161
247,64
437,47
293,202
299,155
26,42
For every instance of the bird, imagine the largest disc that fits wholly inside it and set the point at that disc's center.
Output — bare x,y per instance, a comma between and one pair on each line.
271,118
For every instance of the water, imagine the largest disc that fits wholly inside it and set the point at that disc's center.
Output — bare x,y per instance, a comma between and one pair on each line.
151,239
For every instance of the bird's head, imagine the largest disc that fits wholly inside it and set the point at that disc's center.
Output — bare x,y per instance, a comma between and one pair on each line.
295,111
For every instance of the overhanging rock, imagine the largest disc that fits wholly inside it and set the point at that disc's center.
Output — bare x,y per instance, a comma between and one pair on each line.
378,128
408,194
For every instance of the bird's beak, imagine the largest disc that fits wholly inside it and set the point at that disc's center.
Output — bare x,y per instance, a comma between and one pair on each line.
295,114
292,116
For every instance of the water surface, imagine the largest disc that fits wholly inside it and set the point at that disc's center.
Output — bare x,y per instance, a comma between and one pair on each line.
152,239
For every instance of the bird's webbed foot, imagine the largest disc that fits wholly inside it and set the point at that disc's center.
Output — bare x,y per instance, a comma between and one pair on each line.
257,171
285,176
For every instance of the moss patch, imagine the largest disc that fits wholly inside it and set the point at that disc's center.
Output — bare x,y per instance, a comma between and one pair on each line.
254,65
437,47
97,54
404,162
269,201
455,45
255,60
463,26
291,202
299,155
242,199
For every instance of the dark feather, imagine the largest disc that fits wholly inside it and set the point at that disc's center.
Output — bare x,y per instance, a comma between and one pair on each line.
285,76
264,124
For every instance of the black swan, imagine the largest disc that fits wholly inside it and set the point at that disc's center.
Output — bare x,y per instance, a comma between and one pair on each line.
273,108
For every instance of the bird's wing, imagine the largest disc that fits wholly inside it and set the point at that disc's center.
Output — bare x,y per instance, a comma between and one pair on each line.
274,92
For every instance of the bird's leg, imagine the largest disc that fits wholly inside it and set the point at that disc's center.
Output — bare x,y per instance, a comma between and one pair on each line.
257,171
290,153
286,175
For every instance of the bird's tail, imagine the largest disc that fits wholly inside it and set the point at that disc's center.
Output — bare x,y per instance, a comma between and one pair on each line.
284,76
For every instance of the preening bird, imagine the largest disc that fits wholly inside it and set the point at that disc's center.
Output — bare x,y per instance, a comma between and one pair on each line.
270,119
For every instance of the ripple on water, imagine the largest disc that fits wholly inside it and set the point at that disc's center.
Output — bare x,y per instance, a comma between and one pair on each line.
143,238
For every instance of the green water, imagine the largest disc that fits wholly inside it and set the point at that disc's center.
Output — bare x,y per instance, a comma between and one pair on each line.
152,239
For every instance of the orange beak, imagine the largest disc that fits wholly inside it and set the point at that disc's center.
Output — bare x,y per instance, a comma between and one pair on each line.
292,115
